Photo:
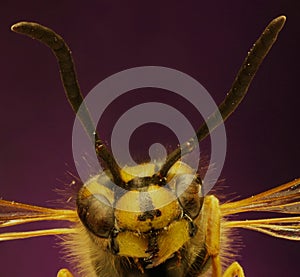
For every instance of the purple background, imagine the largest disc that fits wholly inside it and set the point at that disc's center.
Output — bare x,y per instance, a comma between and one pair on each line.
205,40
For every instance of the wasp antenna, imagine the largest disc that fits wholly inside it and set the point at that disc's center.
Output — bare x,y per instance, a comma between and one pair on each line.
235,95
66,65
69,79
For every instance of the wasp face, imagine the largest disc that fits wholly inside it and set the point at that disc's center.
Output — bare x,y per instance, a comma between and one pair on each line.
151,220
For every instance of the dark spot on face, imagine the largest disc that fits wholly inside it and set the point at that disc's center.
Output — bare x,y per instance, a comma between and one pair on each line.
149,215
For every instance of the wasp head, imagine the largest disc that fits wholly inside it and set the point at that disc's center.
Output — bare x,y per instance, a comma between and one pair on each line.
149,221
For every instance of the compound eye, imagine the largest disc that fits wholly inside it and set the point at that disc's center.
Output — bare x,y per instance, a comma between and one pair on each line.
96,213
188,191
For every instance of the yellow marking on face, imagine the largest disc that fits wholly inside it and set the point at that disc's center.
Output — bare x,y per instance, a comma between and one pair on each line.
172,240
132,244
128,209
130,172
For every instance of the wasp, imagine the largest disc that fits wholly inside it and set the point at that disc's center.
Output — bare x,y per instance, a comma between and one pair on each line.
148,225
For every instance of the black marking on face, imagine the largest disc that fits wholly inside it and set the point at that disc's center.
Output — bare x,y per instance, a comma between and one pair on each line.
153,248
144,182
139,183
149,215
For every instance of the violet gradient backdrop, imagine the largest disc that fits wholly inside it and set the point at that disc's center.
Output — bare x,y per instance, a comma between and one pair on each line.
207,40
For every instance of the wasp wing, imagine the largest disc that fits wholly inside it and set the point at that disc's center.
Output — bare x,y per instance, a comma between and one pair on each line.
286,227
14,213
282,199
